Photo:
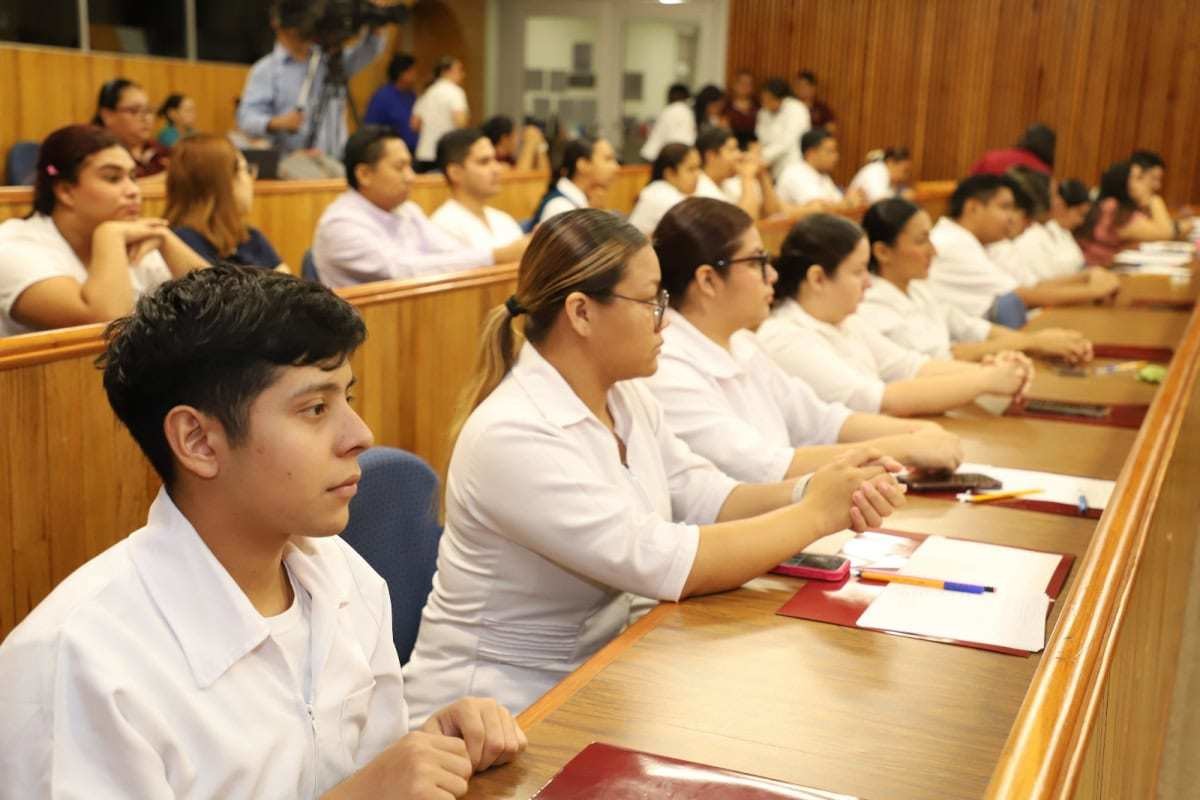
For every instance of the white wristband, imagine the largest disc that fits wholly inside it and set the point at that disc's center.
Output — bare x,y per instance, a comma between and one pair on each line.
800,487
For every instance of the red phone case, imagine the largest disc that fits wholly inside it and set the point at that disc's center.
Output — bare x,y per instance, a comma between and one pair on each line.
814,573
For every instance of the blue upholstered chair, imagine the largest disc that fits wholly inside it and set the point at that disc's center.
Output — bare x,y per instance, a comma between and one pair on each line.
21,164
394,527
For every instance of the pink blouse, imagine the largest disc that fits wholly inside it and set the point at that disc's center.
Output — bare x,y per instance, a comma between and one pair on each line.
1104,242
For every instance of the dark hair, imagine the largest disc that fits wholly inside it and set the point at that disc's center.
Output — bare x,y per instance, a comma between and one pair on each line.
172,103
975,187
215,339
884,221
572,152
677,92
400,64
708,94
454,146
1147,159
822,240
1114,183
444,63
1074,192
694,232
61,155
497,128
110,96
365,146
670,157
813,138
1039,140
778,87
807,75
1034,185
900,153
712,140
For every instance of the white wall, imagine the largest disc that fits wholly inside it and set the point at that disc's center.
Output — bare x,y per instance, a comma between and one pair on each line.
651,48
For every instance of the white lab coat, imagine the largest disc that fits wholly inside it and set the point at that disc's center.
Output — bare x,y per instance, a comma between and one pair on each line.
498,230
147,673
917,320
801,183
652,204
675,123
548,536
962,273
572,198
874,181
779,133
849,363
736,407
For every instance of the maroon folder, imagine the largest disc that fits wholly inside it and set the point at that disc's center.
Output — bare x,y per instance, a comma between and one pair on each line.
842,603
1117,415
1132,352
1023,504
605,772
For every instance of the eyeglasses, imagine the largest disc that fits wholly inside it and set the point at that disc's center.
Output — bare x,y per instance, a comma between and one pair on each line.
762,259
136,111
659,303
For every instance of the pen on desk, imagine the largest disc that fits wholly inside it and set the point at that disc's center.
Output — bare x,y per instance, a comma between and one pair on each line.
985,497
1083,504
1127,366
932,583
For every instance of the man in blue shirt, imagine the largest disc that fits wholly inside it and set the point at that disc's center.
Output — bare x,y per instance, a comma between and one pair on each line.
392,103
283,88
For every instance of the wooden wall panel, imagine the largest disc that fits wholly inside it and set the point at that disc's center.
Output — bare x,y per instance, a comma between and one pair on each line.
952,78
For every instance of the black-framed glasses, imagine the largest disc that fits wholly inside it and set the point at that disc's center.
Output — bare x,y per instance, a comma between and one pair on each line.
659,304
761,258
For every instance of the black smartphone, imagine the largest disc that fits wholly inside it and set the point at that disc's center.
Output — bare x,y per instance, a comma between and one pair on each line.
1089,410
950,482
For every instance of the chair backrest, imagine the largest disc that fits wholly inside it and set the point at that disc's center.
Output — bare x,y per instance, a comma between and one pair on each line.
308,267
394,527
21,164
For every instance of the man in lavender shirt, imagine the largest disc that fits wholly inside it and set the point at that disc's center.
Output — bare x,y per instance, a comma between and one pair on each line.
373,232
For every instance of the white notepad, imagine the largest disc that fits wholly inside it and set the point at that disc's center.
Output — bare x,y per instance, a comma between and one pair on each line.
1013,616
1056,488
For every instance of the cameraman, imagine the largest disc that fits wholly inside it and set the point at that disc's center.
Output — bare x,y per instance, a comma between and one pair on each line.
283,88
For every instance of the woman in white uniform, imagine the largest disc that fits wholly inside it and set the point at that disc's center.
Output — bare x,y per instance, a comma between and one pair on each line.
814,334
900,305
886,174
588,167
567,494
673,177
720,392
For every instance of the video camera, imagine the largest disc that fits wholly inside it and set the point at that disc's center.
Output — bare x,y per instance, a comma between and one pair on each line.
331,23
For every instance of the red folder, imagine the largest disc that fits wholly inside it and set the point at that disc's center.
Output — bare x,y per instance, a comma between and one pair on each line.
1163,303
1118,415
1132,352
844,602
606,772
1023,503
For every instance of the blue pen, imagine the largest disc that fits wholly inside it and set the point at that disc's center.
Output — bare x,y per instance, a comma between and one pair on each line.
1083,504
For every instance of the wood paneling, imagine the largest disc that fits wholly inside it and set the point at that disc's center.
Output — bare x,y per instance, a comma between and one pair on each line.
952,78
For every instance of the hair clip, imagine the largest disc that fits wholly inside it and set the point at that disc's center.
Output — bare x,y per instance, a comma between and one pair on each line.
51,169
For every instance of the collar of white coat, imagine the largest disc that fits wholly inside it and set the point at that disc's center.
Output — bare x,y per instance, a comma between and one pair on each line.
684,341
791,311
548,389
572,192
949,235
886,293
211,617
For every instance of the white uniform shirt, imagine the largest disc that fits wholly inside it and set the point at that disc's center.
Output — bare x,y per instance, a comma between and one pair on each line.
850,363
547,534
736,407
917,320
779,133
874,181
962,273
800,183
147,673
707,187
1017,257
1055,252
573,198
436,108
675,123
456,220
33,250
652,204
356,241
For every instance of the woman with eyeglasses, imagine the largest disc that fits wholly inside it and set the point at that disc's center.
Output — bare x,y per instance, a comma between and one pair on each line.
722,394
124,109
814,334
85,253
568,495
210,190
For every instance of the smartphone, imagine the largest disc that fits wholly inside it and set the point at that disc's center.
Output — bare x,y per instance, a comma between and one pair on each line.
815,566
950,482
1089,410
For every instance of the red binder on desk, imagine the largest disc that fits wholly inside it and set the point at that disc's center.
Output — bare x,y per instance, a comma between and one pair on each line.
1116,415
606,772
1133,352
844,602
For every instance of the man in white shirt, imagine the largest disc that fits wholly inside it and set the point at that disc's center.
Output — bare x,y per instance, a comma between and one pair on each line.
373,232
233,647
807,182
440,110
782,120
675,123
468,160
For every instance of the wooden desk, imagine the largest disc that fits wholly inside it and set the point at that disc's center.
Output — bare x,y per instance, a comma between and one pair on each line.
1110,325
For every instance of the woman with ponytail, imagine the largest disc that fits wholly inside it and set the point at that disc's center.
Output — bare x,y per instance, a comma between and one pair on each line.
568,495
673,177
588,166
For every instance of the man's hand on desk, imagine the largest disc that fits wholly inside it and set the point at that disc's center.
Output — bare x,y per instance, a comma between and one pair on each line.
1071,346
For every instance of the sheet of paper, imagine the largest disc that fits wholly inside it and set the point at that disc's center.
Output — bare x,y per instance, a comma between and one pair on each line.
1159,258
1055,488
1012,616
